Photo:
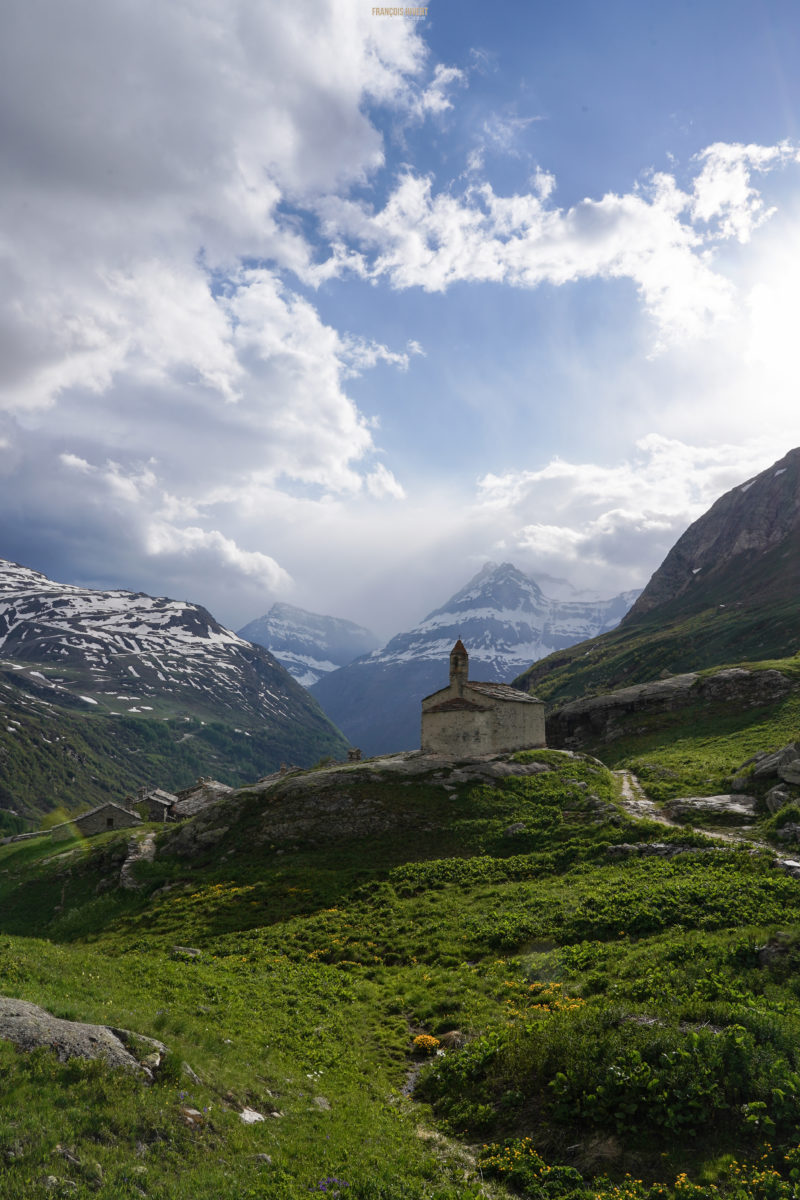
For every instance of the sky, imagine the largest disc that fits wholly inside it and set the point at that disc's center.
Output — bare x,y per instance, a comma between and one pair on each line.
330,304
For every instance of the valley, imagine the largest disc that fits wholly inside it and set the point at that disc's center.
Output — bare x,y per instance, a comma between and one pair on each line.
561,973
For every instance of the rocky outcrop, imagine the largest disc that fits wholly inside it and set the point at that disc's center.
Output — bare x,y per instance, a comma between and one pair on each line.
735,808
602,718
341,802
29,1027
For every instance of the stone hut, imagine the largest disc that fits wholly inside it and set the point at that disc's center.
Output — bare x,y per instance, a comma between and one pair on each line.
194,799
97,820
470,718
153,804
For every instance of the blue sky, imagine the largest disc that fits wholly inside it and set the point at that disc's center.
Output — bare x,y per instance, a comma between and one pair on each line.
306,303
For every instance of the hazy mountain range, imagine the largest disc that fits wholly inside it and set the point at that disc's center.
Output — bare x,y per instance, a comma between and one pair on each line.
504,620
308,644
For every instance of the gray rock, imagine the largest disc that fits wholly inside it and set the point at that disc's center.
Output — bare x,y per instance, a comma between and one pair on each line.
513,830
739,806
29,1027
789,833
777,758
789,772
776,798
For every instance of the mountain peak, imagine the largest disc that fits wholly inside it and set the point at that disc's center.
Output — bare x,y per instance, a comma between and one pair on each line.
308,644
502,618
730,545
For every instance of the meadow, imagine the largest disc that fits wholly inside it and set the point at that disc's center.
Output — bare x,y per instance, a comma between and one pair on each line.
479,996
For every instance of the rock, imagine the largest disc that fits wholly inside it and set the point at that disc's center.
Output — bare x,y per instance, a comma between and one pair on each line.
452,1040
774,950
513,830
191,1116
775,759
263,1158
789,833
322,1104
743,808
789,772
583,722
776,798
657,849
186,952
28,1027
249,1116
139,850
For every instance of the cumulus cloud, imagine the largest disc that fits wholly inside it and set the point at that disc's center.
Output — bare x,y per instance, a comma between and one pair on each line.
610,526
182,187
657,235
212,547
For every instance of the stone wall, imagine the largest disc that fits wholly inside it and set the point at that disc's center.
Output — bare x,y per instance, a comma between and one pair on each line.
498,727
110,816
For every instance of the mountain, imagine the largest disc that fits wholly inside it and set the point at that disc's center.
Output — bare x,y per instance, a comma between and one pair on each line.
307,644
725,593
505,621
104,689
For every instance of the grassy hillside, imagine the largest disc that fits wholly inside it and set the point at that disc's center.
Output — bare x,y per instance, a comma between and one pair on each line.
612,1023
696,750
54,756
669,640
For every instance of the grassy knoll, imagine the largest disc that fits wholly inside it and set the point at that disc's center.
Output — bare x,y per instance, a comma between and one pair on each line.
621,1019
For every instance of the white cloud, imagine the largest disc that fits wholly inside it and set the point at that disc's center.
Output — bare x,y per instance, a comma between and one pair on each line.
610,526
434,98
657,235
219,551
381,482
723,190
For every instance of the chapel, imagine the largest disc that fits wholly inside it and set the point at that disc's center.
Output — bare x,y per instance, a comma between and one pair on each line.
472,718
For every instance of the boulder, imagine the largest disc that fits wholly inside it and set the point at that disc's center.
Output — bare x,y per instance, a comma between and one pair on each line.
769,765
789,772
776,798
740,807
28,1027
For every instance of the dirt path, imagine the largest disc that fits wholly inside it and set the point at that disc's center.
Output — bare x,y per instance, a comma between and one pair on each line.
638,804
636,801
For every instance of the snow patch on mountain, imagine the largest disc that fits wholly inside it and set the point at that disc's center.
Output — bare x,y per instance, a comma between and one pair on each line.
309,645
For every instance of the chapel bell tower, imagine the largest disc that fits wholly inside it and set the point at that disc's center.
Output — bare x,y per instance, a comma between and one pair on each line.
459,665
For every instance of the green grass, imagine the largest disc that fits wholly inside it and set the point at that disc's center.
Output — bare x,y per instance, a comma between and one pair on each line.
619,1015
61,758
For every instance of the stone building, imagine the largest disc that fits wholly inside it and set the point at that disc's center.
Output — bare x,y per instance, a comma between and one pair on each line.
97,820
152,804
470,718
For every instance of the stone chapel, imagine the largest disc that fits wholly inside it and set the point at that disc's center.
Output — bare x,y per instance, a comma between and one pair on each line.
471,718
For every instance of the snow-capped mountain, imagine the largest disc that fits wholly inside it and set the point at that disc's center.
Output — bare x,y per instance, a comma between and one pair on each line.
505,621
123,652
307,644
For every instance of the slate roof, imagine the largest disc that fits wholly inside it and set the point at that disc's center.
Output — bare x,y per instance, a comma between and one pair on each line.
501,691
99,808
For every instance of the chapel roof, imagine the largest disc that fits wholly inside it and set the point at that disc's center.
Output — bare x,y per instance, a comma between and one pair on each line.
501,691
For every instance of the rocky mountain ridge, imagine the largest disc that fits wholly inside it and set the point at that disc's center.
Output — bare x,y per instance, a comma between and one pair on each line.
726,593
740,529
118,649
102,688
